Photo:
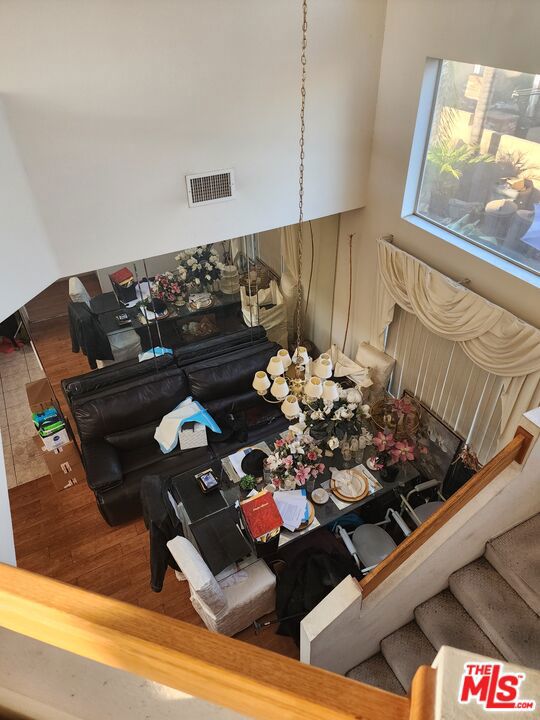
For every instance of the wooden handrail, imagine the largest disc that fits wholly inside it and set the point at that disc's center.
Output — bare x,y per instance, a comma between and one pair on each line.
224,671
515,450
423,694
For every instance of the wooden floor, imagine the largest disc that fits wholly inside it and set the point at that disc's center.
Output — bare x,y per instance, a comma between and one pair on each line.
53,301
51,338
62,534
53,345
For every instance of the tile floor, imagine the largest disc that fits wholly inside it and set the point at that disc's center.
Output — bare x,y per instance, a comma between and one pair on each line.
21,457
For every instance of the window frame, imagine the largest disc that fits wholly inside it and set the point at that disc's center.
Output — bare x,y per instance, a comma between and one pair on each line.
417,159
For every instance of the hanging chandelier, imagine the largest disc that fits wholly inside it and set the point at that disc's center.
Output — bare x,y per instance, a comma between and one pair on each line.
291,381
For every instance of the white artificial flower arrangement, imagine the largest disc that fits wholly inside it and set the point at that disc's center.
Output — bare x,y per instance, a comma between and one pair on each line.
199,265
331,421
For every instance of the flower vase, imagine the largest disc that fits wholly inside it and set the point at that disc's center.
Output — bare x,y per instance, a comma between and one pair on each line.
359,455
388,473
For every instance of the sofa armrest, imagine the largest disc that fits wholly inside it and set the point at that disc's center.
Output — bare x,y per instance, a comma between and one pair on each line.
102,465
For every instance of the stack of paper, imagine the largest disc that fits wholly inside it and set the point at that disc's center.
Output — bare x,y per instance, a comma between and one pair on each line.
236,461
293,508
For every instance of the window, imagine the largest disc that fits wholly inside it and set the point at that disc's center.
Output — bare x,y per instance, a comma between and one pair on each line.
480,177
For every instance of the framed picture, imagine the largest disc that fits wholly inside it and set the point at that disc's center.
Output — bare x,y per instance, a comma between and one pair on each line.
443,443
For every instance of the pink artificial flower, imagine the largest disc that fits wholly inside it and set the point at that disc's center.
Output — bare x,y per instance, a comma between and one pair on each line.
312,455
383,442
288,461
279,443
402,452
403,405
302,474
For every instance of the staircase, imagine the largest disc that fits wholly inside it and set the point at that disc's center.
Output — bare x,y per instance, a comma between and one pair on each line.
491,608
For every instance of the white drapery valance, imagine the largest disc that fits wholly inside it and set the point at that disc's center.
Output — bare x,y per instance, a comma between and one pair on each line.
491,337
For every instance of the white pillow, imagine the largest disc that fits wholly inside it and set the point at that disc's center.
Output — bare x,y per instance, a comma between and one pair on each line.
197,573
345,367
379,363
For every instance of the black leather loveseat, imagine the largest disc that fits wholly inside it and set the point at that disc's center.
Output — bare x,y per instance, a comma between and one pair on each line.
118,408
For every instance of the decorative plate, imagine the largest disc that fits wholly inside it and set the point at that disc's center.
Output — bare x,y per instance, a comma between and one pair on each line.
363,487
310,519
201,305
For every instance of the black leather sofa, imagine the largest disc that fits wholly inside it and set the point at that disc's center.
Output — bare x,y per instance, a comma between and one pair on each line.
117,409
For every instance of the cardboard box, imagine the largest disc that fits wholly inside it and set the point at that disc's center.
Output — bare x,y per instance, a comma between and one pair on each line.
72,476
40,395
52,442
63,463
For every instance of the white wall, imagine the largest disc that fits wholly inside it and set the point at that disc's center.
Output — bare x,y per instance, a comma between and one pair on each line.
112,104
7,547
46,683
27,266
26,259
493,32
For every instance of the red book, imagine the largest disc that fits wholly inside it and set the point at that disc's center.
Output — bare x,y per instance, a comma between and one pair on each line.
121,276
261,514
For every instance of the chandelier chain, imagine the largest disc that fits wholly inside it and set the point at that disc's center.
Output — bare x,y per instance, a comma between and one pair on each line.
299,297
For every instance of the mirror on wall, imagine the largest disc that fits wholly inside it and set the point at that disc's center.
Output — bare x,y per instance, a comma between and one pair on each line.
166,302
172,300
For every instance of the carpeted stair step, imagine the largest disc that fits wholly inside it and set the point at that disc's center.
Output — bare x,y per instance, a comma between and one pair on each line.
500,612
376,671
405,650
445,622
516,556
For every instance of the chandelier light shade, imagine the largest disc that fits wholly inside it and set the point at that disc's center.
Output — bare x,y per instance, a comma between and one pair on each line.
275,366
291,407
322,368
280,388
285,358
261,382
326,357
290,385
330,391
313,388
300,356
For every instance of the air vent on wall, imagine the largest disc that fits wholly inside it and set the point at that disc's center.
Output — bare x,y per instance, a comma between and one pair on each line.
211,187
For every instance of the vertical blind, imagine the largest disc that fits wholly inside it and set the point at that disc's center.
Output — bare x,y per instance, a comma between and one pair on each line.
440,375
